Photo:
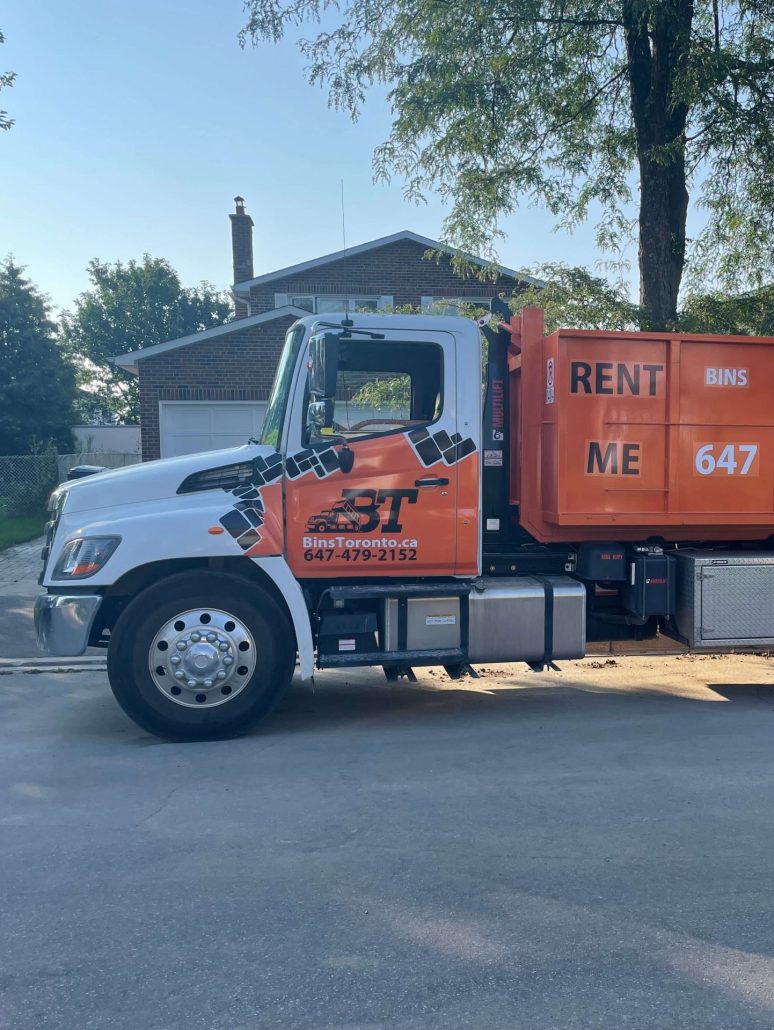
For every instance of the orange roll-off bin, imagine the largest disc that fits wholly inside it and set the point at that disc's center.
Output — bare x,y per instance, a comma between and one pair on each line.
639,435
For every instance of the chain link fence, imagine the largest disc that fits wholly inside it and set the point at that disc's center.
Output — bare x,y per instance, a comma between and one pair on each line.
26,480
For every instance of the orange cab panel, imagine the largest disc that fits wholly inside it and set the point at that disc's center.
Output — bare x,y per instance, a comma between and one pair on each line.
400,511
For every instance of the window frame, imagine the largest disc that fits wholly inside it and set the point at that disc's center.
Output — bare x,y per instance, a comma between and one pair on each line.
357,437
350,302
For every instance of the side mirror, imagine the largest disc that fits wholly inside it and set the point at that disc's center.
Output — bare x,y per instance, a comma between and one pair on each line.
323,365
323,376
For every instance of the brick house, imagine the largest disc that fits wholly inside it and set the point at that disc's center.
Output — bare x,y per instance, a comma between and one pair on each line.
210,389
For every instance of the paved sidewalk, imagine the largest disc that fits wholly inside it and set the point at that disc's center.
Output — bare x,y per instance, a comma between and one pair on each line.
19,565
19,571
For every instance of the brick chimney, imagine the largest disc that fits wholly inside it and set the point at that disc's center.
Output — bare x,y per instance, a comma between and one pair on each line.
241,249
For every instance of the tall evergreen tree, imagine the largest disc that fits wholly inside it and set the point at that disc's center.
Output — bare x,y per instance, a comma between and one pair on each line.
37,385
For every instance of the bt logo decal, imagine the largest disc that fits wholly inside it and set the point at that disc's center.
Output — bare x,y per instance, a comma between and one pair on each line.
367,504
360,511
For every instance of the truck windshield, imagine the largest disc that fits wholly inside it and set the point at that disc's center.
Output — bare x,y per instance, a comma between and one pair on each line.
275,413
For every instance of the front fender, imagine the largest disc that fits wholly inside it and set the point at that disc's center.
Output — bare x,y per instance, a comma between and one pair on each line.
278,571
180,528
189,526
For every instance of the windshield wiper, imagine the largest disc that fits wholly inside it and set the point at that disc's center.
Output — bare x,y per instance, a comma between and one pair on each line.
348,329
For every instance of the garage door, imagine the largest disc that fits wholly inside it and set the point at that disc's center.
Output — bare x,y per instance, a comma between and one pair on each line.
187,427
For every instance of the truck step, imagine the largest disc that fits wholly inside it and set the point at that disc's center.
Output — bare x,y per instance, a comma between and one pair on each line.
350,660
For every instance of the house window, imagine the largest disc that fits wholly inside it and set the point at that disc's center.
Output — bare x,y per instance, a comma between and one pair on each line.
327,304
453,305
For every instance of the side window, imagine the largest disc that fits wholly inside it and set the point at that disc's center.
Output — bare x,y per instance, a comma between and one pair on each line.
384,386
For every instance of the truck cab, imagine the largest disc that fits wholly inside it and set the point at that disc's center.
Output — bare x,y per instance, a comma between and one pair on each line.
207,576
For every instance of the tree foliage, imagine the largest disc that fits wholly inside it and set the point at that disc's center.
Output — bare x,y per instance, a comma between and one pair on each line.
386,393
37,384
565,103
573,298
131,306
6,79
746,314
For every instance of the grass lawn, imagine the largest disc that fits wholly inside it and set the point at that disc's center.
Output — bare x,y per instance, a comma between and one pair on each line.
17,530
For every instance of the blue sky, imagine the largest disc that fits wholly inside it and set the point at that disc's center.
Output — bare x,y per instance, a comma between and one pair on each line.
136,125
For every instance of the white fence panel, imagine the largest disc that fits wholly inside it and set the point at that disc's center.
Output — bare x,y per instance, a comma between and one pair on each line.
108,439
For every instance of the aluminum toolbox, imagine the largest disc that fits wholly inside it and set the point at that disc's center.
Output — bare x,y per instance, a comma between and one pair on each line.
725,598
433,624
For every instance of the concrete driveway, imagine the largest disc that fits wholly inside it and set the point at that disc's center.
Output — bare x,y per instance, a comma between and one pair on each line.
586,849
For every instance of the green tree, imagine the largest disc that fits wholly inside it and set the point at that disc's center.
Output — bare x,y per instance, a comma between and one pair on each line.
573,298
37,384
6,79
131,306
563,103
385,394
745,314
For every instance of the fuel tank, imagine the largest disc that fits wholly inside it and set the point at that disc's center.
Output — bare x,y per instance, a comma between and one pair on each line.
627,436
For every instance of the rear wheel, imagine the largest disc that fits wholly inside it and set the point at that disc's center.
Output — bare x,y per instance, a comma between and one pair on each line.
200,655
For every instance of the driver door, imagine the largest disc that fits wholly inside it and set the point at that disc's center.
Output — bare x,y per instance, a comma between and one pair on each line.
394,513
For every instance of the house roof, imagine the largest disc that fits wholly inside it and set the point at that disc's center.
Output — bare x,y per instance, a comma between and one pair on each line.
129,361
243,288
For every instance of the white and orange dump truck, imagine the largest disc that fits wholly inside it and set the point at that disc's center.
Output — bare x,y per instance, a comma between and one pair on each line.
607,486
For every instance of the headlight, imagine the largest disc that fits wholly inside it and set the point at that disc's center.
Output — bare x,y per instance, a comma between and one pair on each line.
83,557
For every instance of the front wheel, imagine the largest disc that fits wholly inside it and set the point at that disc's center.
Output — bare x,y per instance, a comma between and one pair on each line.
200,655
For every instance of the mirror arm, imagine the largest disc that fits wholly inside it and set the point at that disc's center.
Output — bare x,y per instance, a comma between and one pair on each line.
346,455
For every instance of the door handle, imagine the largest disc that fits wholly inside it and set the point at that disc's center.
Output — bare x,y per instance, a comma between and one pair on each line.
432,481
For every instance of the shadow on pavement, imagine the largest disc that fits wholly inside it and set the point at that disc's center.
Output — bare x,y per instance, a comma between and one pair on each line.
339,702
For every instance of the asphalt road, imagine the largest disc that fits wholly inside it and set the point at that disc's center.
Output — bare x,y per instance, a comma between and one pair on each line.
590,849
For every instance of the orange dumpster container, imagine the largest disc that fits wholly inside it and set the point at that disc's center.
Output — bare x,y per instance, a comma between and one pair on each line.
634,436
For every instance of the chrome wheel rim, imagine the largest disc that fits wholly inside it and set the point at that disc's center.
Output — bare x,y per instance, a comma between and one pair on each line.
202,658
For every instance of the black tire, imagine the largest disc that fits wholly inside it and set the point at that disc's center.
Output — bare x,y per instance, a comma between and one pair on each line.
319,527
134,632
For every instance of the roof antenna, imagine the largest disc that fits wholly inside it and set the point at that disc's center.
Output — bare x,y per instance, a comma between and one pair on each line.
346,321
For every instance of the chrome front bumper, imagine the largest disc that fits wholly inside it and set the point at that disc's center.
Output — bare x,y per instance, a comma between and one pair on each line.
63,624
